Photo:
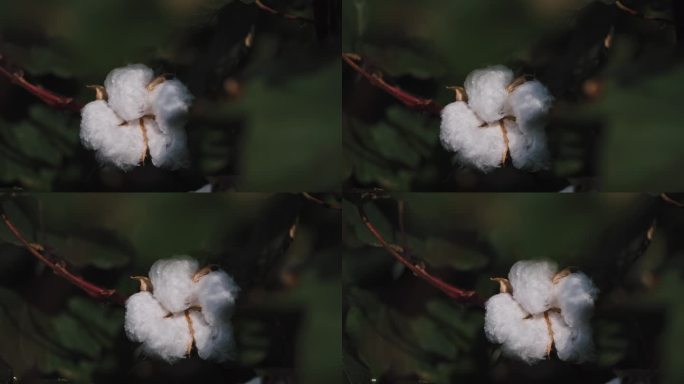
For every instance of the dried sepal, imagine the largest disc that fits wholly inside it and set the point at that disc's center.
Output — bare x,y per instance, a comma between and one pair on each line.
459,93
158,80
561,274
145,283
504,284
518,81
191,330
549,347
100,92
204,271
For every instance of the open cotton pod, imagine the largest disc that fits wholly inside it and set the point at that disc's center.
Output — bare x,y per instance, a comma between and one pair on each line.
502,118
135,117
182,308
462,132
545,309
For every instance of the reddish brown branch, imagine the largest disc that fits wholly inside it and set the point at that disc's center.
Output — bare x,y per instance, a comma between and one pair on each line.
670,200
288,16
636,13
376,79
59,267
419,270
320,202
48,97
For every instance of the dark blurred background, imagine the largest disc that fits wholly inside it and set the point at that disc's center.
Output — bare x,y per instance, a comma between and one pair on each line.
287,319
616,124
266,109
399,329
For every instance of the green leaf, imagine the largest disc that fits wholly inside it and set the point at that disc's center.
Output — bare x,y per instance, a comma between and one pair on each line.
642,145
441,252
291,135
100,250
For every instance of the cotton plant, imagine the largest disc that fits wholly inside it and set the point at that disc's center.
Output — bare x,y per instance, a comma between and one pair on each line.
181,308
136,114
496,117
539,308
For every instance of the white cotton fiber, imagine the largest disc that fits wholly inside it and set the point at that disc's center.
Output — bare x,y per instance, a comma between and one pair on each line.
213,342
96,119
502,314
184,308
172,282
528,341
530,102
114,143
573,344
518,322
522,111
167,149
127,92
169,102
113,127
574,296
522,336
532,285
476,146
143,314
171,339
487,94
216,293
527,148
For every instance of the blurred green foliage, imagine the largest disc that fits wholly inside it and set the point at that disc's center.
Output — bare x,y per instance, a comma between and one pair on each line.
399,329
289,302
614,125
263,111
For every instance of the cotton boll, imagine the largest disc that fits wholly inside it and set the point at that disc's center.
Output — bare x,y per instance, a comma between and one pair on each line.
216,293
126,90
458,120
172,282
143,316
529,340
487,94
532,285
96,119
116,144
530,102
502,314
573,344
522,336
169,102
213,342
574,296
167,150
170,340
460,131
528,148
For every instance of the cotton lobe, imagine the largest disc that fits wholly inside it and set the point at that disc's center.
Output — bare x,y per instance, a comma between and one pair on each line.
502,122
187,308
139,116
532,286
545,309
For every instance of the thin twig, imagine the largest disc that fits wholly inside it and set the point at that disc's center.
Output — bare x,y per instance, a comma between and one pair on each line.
670,200
288,16
419,270
59,267
320,202
375,78
636,13
401,209
48,97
